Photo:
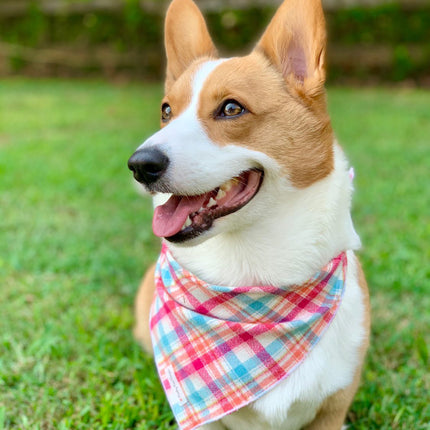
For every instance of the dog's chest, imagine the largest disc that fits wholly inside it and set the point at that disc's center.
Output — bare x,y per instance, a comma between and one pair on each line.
328,368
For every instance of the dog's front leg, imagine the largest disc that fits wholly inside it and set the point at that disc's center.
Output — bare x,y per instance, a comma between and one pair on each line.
143,303
332,414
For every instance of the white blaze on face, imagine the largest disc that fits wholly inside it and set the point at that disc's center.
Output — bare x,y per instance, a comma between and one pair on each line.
198,167
197,164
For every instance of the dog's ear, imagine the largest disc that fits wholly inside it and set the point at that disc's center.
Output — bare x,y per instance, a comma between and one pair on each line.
295,42
186,38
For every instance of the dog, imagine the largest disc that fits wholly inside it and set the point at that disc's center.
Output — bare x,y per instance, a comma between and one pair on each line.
252,197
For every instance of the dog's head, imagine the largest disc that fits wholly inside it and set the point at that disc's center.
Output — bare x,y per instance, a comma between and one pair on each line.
236,133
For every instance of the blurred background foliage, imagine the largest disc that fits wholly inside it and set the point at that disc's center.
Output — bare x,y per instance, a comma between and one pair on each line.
372,43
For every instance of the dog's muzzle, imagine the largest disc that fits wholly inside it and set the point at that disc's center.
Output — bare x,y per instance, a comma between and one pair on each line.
148,165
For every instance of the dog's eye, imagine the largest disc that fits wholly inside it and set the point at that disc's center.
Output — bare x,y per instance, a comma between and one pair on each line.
166,112
231,108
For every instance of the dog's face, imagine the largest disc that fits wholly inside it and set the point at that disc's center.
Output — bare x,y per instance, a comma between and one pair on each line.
236,133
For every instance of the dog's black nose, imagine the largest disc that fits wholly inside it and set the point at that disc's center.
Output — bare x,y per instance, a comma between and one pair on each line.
148,165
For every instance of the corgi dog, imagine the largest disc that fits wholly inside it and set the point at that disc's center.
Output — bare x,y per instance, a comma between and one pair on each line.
251,189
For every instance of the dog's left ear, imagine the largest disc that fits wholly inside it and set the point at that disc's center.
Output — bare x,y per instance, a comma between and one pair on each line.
186,38
295,42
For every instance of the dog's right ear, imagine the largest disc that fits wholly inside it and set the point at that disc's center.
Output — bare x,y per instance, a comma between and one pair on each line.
186,38
295,42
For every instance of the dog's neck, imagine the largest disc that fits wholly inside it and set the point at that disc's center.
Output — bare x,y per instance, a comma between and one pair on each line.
302,231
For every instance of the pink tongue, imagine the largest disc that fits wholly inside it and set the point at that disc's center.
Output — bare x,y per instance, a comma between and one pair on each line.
170,217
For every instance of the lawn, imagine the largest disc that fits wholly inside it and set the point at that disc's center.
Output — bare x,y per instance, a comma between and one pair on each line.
75,239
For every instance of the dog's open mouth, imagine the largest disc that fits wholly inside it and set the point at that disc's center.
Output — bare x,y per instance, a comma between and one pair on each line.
185,217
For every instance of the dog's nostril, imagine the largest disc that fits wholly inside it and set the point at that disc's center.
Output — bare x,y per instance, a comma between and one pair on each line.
154,167
148,165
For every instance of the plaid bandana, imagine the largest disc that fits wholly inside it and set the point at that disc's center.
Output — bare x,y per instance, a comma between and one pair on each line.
219,348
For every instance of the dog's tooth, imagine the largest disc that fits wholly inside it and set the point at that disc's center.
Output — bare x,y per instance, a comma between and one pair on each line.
211,203
187,223
227,185
221,194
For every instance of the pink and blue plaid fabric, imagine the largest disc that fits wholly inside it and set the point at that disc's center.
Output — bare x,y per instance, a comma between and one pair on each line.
219,348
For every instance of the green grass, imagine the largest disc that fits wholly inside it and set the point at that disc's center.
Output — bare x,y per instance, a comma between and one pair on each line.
75,239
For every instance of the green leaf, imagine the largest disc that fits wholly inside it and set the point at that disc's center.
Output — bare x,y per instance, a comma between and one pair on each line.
422,349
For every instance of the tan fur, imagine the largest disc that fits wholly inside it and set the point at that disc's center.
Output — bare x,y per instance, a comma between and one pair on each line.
292,125
142,307
186,38
278,123
180,91
298,27
332,413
